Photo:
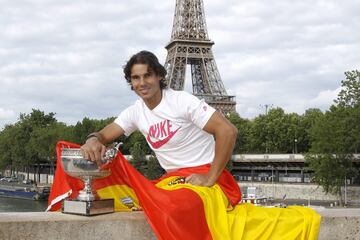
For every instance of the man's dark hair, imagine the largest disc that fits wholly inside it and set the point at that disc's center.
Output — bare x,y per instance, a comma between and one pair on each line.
146,57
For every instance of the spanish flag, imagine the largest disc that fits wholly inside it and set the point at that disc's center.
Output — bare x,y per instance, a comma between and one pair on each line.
178,210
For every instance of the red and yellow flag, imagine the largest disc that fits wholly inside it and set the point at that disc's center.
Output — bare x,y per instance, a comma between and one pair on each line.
177,210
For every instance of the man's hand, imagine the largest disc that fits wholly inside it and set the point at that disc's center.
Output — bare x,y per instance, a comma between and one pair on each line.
93,150
200,180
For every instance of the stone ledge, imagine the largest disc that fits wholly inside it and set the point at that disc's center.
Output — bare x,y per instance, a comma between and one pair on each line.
58,226
339,224
335,224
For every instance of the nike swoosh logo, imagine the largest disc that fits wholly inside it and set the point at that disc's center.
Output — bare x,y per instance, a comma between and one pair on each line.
159,143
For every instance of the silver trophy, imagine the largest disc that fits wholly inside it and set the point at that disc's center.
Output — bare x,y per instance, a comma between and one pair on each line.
87,202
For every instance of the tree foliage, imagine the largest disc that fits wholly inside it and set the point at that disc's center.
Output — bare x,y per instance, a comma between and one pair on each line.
244,128
87,126
331,170
32,139
275,132
335,137
349,95
307,121
150,168
8,146
153,170
136,137
138,159
330,156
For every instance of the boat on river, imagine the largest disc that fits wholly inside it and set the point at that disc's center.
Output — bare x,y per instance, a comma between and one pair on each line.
250,196
23,190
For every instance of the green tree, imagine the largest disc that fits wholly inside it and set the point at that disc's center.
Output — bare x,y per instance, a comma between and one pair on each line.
274,132
330,157
349,98
353,134
7,147
20,143
138,159
87,126
136,137
349,95
335,136
28,125
42,143
331,170
244,128
307,121
153,168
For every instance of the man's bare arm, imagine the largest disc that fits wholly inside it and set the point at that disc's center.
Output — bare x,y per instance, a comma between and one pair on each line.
225,134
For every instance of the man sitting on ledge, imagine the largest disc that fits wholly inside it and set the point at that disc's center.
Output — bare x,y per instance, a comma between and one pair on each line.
197,198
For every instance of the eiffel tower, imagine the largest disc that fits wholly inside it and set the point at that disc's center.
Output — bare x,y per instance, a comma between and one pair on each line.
190,44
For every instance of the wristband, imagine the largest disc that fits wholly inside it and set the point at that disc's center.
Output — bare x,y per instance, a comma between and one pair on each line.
91,135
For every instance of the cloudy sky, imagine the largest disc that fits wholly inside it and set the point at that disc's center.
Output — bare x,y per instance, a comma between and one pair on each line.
66,56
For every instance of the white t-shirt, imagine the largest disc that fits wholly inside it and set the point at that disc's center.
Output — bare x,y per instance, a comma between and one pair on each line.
173,129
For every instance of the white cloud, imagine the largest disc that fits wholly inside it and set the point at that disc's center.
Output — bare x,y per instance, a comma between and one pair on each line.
66,56
323,99
6,114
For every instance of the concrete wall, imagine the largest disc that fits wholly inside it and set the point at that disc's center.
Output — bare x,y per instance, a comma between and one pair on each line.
58,226
300,191
336,224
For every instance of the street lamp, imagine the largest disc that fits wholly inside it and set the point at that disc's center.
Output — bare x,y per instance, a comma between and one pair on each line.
272,181
295,141
345,193
267,107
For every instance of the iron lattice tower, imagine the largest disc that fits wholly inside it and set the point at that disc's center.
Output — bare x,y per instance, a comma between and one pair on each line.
190,44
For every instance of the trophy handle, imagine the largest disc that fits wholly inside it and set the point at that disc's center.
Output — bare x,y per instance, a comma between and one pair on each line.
111,153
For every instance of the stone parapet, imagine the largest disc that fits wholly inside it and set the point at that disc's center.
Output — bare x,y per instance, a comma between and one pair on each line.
58,226
335,224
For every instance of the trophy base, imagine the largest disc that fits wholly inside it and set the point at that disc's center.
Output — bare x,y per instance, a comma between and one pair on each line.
88,208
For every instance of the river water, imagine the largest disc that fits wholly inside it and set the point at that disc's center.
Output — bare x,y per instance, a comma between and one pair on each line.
21,205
